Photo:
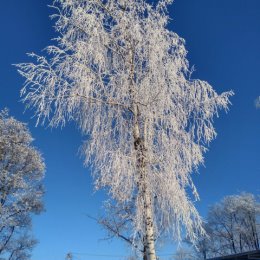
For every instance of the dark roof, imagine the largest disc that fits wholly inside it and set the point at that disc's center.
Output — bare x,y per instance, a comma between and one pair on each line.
253,255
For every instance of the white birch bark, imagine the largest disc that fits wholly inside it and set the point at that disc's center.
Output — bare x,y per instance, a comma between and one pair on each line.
144,194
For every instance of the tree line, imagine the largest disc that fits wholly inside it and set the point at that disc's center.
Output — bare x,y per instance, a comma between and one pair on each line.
232,226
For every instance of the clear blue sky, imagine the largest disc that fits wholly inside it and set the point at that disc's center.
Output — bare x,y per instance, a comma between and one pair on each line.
223,40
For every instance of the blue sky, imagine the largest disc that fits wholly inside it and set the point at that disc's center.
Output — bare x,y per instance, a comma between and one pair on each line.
223,40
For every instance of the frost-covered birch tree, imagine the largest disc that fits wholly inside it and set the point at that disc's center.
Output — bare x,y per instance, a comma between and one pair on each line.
21,173
123,77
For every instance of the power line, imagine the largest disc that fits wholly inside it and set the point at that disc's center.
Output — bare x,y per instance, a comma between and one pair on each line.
112,256
99,255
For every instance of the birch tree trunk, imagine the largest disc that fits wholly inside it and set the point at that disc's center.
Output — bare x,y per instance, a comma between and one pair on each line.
144,193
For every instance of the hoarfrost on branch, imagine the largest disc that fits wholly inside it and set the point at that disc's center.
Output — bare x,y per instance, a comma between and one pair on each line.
124,78
21,190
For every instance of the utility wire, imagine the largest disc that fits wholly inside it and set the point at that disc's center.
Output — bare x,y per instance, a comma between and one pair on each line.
111,256
98,255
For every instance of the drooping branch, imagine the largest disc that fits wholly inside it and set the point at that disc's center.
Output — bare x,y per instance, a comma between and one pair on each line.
151,123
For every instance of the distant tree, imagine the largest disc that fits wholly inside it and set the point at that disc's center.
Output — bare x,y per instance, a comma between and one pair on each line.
69,256
232,227
257,102
183,253
124,78
21,173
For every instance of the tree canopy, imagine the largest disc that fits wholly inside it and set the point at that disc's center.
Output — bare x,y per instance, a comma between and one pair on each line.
232,227
123,77
21,190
